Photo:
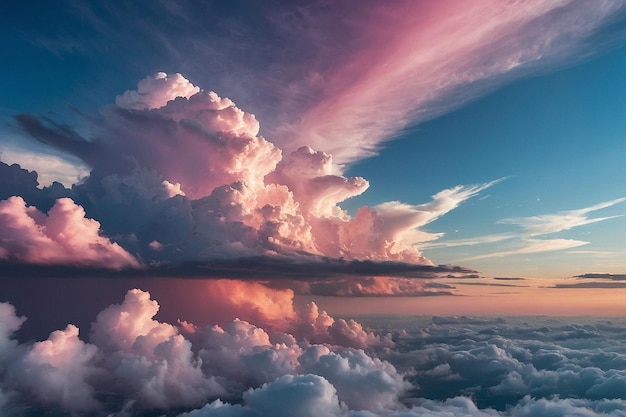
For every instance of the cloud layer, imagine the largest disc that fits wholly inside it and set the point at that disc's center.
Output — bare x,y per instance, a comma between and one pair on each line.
288,360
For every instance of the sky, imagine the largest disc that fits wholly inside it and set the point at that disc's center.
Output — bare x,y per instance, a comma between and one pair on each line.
264,172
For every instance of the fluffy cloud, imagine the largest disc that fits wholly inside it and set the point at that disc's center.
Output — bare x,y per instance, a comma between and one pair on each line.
274,309
63,236
134,364
187,169
9,323
303,395
56,371
362,382
155,91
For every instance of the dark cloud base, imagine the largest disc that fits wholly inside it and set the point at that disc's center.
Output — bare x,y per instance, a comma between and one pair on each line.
258,267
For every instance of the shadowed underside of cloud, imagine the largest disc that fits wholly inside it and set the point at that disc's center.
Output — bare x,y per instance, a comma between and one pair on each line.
595,275
248,268
595,284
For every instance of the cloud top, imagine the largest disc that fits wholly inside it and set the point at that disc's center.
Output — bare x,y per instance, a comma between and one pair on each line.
155,91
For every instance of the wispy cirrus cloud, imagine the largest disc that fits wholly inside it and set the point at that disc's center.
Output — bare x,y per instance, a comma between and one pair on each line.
527,241
561,221
533,246
479,240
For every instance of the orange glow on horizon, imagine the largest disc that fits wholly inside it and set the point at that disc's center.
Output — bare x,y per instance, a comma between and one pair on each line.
518,302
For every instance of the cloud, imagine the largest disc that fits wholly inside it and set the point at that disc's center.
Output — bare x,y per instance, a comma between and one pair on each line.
302,395
608,285
532,228
63,235
187,169
479,240
134,363
431,60
155,91
317,78
614,277
9,324
137,363
377,286
533,246
362,382
56,371
565,220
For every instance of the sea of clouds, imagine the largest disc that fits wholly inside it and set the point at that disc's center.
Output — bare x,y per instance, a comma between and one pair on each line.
299,361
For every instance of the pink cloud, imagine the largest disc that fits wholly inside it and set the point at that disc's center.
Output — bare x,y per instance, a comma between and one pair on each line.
136,363
428,59
57,370
189,171
155,91
62,236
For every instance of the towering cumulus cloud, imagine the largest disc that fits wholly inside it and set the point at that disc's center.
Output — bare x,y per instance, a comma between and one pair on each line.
182,174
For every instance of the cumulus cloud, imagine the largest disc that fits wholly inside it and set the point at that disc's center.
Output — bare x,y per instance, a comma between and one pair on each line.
62,236
56,371
303,395
9,323
155,91
134,363
180,174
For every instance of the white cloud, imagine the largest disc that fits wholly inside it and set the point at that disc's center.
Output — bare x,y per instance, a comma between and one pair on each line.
156,91
561,221
529,246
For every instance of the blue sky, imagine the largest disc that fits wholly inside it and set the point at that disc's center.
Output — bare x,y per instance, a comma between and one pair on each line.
558,139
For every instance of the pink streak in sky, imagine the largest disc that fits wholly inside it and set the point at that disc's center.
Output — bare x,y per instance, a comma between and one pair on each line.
415,60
